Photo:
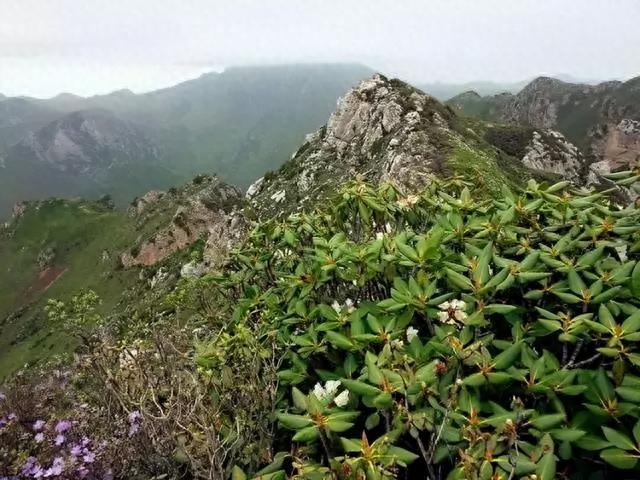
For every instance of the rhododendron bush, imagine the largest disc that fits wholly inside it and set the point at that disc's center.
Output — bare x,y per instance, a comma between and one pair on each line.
450,335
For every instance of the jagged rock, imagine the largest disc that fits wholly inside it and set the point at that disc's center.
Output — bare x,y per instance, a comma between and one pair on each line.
551,152
387,131
18,209
193,269
139,205
602,120
383,129
205,208
619,144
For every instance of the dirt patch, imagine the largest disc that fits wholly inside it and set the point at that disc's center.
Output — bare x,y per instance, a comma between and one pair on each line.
46,278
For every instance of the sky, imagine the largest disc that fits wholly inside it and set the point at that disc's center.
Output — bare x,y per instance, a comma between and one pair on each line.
95,46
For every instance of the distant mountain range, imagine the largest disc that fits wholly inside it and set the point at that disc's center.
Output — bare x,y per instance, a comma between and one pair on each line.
602,120
240,124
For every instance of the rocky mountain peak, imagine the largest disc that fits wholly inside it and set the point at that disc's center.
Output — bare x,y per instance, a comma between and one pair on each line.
383,130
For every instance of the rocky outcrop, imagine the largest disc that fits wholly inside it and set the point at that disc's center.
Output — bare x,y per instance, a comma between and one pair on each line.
382,130
549,151
601,120
619,144
205,209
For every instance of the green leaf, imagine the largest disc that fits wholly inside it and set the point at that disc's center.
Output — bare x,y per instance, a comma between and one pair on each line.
458,280
499,308
619,458
338,425
237,473
635,280
299,399
618,439
403,456
631,394
361,388
545,422
590,258
606,295
506,358
306,435
546,469
374,373
339,340
293,422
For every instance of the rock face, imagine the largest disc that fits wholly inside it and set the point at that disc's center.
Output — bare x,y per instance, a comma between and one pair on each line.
601,120
382,130
550,152
205,209
387,131
85,141
619,144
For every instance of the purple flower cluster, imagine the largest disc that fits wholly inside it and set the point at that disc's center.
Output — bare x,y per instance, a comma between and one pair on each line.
135,419
74,459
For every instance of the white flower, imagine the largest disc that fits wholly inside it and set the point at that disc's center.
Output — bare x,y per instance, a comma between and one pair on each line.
459,315
452,312
342,399
379,236
387,227
331,387
458,305
319,391
350,305
411,334
397,343
336,306
408,201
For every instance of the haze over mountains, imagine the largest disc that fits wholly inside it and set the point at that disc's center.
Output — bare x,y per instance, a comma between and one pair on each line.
239,124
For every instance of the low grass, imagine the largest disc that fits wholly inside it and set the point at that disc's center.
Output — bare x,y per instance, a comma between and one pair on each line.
86,239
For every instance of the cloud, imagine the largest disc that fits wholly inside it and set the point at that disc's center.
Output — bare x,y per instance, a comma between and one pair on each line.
447,40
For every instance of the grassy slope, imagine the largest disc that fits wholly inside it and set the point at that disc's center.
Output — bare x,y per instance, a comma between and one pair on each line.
79,233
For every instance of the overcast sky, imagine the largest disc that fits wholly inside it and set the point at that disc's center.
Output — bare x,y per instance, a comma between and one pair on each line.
95,46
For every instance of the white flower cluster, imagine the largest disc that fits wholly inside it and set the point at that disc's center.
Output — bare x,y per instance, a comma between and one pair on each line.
452,312
328,393
349,306
408,201
411,333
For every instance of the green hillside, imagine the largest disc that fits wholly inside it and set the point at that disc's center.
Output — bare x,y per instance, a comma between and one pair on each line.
56,248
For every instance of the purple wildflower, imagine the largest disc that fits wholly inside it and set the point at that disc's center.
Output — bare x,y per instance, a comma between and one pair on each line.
39,425
89,457
62,426
76,450
12,416
135,416
39,437
56,468
85,441
31,468
82,472
59,440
